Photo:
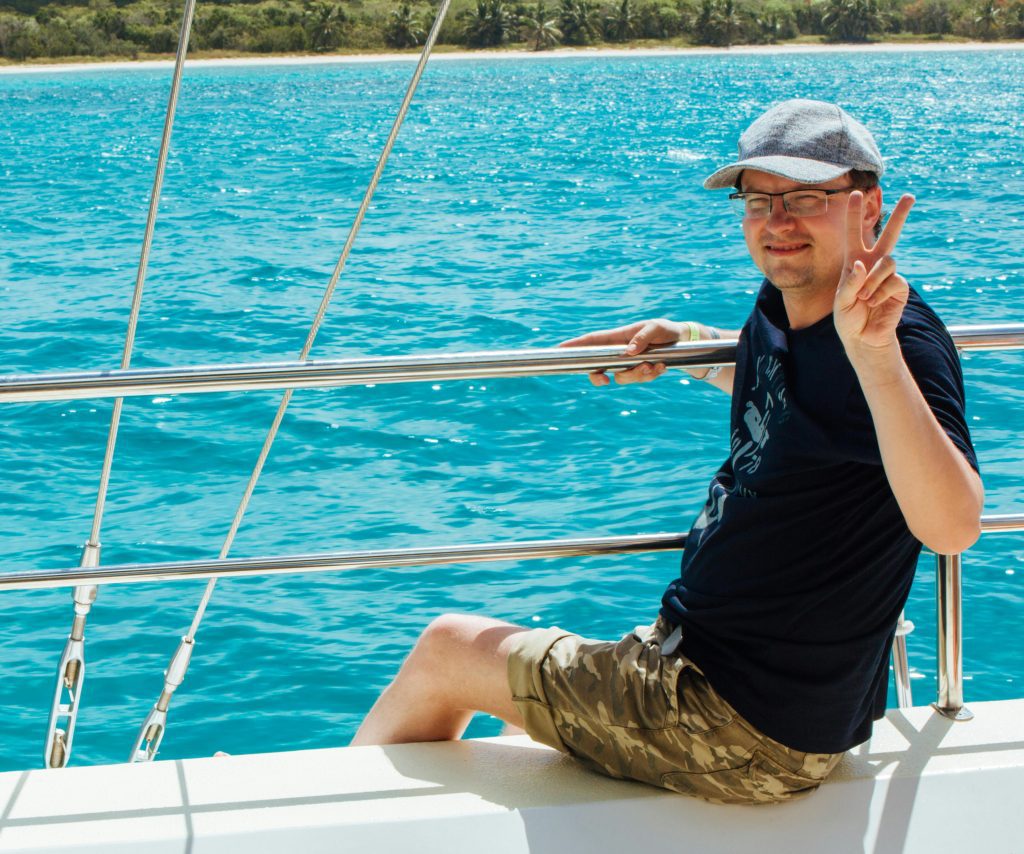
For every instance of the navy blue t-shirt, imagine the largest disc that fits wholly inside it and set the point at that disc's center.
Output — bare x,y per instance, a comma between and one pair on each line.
797,568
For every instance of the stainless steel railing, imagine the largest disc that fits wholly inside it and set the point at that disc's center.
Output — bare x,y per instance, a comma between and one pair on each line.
510,363
949,621
330,373
134,573
950,700
949,638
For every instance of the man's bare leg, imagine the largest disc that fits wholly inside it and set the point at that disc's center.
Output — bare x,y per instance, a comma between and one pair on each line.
458,666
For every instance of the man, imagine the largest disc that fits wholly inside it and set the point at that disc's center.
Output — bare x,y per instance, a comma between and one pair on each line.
849,449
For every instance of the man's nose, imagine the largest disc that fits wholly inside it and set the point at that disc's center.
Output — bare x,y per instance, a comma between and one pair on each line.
778,216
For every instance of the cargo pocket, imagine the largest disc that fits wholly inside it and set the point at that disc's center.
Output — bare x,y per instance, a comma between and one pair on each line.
701,710
726,786
773,782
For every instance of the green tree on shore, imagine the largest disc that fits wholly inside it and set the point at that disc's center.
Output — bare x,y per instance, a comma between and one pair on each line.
539,27
128,28
621,22
851,20
719,22
1013,20
987,18
325,22
19,36
403,28
578,22
220,28
489,25
775,22
928,16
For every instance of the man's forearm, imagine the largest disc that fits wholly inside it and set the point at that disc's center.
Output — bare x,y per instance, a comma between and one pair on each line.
939,493
723,379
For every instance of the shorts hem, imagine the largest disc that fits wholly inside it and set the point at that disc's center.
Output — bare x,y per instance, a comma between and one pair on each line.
524,677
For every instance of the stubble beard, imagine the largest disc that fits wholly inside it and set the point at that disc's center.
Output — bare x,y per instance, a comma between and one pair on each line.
792,279
805,280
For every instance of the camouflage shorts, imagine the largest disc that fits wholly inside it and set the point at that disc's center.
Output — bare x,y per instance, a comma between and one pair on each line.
628,711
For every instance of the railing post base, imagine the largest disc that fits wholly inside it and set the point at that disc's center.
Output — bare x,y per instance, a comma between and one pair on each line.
950,639
961,714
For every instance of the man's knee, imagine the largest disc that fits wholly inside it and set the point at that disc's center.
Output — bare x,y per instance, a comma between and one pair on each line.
455,642
451,634
445,641
460,661
445,632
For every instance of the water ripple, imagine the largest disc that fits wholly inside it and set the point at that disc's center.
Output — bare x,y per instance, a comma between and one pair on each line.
524,203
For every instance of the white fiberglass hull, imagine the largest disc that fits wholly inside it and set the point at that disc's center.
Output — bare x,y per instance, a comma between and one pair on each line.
922,784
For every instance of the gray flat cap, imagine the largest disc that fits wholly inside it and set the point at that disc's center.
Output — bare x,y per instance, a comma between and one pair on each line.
806,141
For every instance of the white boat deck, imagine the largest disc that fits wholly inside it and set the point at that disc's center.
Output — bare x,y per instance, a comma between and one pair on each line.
922,784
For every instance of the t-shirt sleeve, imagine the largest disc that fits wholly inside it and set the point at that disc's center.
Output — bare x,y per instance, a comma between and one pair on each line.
934,363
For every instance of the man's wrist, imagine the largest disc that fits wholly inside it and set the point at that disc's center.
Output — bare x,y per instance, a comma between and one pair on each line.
699,332
877,367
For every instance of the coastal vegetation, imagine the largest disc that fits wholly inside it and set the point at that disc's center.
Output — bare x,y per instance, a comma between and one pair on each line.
43,29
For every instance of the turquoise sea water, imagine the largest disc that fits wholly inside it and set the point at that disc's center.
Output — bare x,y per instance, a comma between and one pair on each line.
526,202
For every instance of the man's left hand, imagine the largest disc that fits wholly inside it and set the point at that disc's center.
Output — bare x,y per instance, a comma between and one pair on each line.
871,294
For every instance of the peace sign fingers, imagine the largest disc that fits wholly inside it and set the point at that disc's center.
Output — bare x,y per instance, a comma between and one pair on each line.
886,242
871,295
897,219
855,247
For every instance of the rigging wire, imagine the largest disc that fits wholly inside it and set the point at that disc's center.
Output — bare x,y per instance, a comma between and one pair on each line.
154,726
71,669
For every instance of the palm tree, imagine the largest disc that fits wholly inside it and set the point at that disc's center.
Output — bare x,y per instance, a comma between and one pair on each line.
324,23
987,18
537,27
577,21
489,26
730,21
403,28
769,24
851,20
775,21
621,23
719,22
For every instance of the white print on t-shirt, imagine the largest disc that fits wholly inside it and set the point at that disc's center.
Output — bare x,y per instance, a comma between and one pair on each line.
712,512
746,455
747,450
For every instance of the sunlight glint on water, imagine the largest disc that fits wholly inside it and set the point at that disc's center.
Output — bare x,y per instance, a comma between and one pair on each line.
525,202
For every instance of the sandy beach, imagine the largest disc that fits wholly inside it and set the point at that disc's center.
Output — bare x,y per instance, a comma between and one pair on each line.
560,53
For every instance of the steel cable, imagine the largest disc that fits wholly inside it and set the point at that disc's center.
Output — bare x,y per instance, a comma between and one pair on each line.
71,669
153,727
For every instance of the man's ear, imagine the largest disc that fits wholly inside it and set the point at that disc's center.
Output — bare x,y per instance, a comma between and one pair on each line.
872,210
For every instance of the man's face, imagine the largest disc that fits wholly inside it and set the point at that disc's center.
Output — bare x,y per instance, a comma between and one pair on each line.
801,254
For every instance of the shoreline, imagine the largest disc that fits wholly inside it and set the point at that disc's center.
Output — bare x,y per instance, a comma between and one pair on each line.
558,53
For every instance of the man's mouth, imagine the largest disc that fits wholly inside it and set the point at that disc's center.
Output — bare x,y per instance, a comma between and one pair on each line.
783,249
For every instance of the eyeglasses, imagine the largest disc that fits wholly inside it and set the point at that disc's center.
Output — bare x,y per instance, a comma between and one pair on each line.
796,202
